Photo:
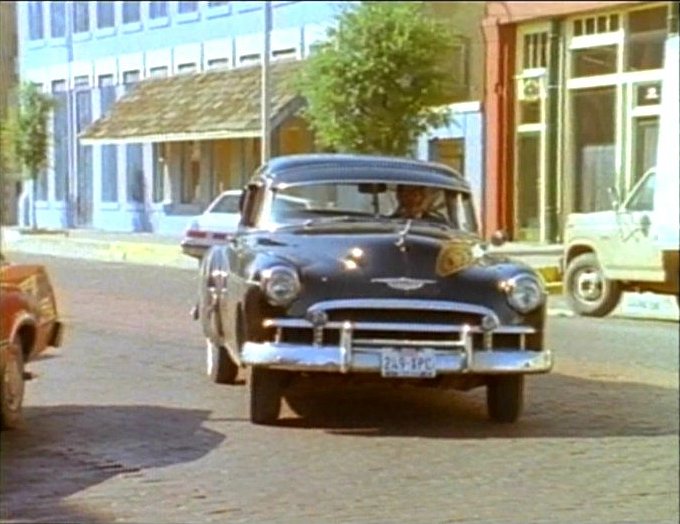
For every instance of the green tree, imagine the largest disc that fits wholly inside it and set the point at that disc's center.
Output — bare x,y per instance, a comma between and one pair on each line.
373,85
24,137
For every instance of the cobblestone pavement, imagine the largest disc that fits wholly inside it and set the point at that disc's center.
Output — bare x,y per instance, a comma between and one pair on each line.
122,426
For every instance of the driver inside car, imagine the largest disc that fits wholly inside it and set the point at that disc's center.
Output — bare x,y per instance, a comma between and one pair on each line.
413,202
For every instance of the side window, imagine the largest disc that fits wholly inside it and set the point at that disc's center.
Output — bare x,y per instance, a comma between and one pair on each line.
643,197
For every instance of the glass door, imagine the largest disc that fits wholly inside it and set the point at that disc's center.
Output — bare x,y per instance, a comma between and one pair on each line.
527,187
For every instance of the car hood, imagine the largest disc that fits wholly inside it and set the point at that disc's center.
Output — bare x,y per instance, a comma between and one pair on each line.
387,262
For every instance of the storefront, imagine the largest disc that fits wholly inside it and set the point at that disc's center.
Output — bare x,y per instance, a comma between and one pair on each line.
574,97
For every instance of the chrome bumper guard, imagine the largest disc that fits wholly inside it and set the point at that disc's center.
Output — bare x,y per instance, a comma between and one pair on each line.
364,354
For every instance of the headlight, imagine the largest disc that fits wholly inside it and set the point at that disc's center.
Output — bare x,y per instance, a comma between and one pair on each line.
525,292
280,285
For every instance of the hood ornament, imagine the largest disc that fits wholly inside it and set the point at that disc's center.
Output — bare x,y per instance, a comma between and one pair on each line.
404,283
401,241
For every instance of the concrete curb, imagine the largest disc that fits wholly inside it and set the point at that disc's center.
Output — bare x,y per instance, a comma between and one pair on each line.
103,250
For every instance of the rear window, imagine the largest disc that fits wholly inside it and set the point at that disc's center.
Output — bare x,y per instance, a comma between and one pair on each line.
226,204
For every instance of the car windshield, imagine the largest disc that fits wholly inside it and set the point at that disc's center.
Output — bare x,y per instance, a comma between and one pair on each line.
322,203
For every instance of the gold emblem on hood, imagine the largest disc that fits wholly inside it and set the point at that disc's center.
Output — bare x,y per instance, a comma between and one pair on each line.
454,256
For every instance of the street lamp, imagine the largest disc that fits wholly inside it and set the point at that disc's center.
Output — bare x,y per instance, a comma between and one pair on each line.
265,149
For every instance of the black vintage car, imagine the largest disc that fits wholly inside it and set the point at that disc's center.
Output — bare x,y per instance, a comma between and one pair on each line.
352,284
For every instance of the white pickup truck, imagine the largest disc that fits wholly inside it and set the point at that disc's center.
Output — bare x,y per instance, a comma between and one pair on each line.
634,246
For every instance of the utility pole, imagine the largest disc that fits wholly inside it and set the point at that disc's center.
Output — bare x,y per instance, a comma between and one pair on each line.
265,149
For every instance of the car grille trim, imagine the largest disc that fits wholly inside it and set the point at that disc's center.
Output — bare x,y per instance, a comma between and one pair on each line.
395,326
401,303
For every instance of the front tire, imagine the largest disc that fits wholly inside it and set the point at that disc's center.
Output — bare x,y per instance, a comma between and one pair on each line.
12,387
220,367
587,290
265,395
505,398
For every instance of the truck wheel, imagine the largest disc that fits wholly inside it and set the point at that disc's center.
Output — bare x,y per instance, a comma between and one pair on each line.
220,367
505,397
265,395
12,387
588,292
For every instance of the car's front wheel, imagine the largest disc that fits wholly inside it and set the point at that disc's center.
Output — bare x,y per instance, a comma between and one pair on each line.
12,387
505,397
220,367
265,395
587,290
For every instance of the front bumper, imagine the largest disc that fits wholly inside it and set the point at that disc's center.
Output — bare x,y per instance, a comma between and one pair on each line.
348,357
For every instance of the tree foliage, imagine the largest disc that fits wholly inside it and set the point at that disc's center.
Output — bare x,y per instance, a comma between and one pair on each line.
372,86
25,135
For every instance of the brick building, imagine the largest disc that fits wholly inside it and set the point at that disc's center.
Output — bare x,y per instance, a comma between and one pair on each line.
572,103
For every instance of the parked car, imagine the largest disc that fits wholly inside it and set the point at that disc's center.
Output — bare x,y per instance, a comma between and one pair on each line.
29,323
347,286
218,223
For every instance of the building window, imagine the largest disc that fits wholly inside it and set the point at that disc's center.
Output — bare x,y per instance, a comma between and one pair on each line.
105,14
283,54
57,19
158,9
218,63
596,25
81,17
135,173
158,72
647,32
186,68
60,138
81,82
109,152
187,7
130,78
594,137
593,61
35,21
131,12
249,59
83,153
535,50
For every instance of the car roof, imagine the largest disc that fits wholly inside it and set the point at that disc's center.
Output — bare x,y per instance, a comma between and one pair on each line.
309,168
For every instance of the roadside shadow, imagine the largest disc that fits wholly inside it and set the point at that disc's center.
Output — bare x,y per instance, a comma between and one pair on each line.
86,445
556,406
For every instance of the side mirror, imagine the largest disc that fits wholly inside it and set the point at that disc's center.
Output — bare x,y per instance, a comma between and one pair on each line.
499,238
614,198
645,224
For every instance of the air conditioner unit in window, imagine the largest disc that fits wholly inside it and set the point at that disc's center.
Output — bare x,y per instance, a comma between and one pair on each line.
530,88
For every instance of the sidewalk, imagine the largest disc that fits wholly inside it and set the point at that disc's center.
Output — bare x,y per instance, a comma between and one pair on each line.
164,250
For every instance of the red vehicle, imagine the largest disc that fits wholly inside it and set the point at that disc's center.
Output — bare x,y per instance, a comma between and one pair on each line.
29,324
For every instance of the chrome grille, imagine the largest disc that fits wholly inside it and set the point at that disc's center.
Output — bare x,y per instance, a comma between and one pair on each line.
390,322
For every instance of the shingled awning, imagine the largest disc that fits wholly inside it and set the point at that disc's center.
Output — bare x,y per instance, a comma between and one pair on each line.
201,106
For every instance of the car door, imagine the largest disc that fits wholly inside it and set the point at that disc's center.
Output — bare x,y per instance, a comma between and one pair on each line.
637,257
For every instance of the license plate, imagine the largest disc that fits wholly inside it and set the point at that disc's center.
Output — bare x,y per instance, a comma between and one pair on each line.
408,362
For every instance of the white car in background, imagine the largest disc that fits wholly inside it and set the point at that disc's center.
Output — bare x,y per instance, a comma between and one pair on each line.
218,223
